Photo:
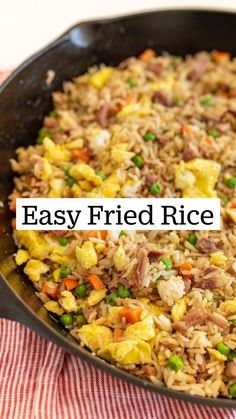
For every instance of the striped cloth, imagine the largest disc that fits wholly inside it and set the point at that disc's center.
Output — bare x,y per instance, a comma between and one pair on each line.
39,380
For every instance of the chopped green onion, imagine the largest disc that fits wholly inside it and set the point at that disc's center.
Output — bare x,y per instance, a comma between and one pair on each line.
132,82
53,114
232,390
231,356
65,271
225,200
223,349
158,282
167,262
155,189
138,161
179,102
66,319
207,100
43,133
178,58
111,299
192,239
233,322
51,279
175,363
101,174
213,133
62,241
231,182
123,292
81,290
70,181
149,136
122,233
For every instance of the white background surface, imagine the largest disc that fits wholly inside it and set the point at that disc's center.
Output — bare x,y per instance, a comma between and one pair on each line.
28,25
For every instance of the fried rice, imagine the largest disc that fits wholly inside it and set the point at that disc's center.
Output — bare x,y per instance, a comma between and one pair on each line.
161,305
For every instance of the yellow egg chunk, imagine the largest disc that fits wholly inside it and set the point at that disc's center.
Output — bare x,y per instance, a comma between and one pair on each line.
34,243
57,187
218,259
120,154
120,259
228,307
75,144
54,307
86,255
100,77
34,269
126,352
232,214
112,315
47,170
55,152
179,309
138,109
84,171
95,337
21,256
197,178
216,354
68,301
144,329
96,296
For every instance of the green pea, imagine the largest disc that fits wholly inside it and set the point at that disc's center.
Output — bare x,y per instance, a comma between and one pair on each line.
101,174
81,290
158,281
167,262
231,182
138,161
178,58
70,181
111,299
213,133
123,292
66,170
149,136
175,363
62,241
51,279
53,114
132,82
155,189
65,271
232,390
122,233
233,322
66,319
225,200
192,239
179,101
80,320
222,348
43,133
207,101
231,356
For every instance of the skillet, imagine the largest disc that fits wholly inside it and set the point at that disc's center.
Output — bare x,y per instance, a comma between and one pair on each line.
25,99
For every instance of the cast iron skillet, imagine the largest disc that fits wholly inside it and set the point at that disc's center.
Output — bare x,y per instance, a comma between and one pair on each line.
25,99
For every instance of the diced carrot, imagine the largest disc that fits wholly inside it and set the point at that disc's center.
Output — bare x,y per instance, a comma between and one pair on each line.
32,181
50,288
117,334
12,205
221,56
187,266
147,55
70,283
13,223
96,282
130,99
187,130
209,139
95,233
225,95
232,92
232,205
131,315
81,155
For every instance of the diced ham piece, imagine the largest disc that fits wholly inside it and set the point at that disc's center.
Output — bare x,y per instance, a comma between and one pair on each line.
156,68
197,69
150,370
206,284
218,321
58,233
189,154
230,369
102,116
154,255
162,98
150,179
50,122
206,246
209,270
192,318
87,311
142,267
187,285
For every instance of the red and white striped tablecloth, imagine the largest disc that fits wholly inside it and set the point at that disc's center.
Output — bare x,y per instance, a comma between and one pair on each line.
39,380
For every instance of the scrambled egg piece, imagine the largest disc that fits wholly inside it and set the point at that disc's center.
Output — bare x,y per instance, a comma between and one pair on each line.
56,275
84,171
216,354
21,256
228,307
96,296
120,154
76,190
112,315
47,170
218,259
54,307
55,152
86,255
100,77
99,139
120,259
68,301
35,244
34,268
57,255
129,351
179,309
68,119
144,329
108,189
153,308
162,85
75,144
232,214
57,187
95,337
138,109
197,178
